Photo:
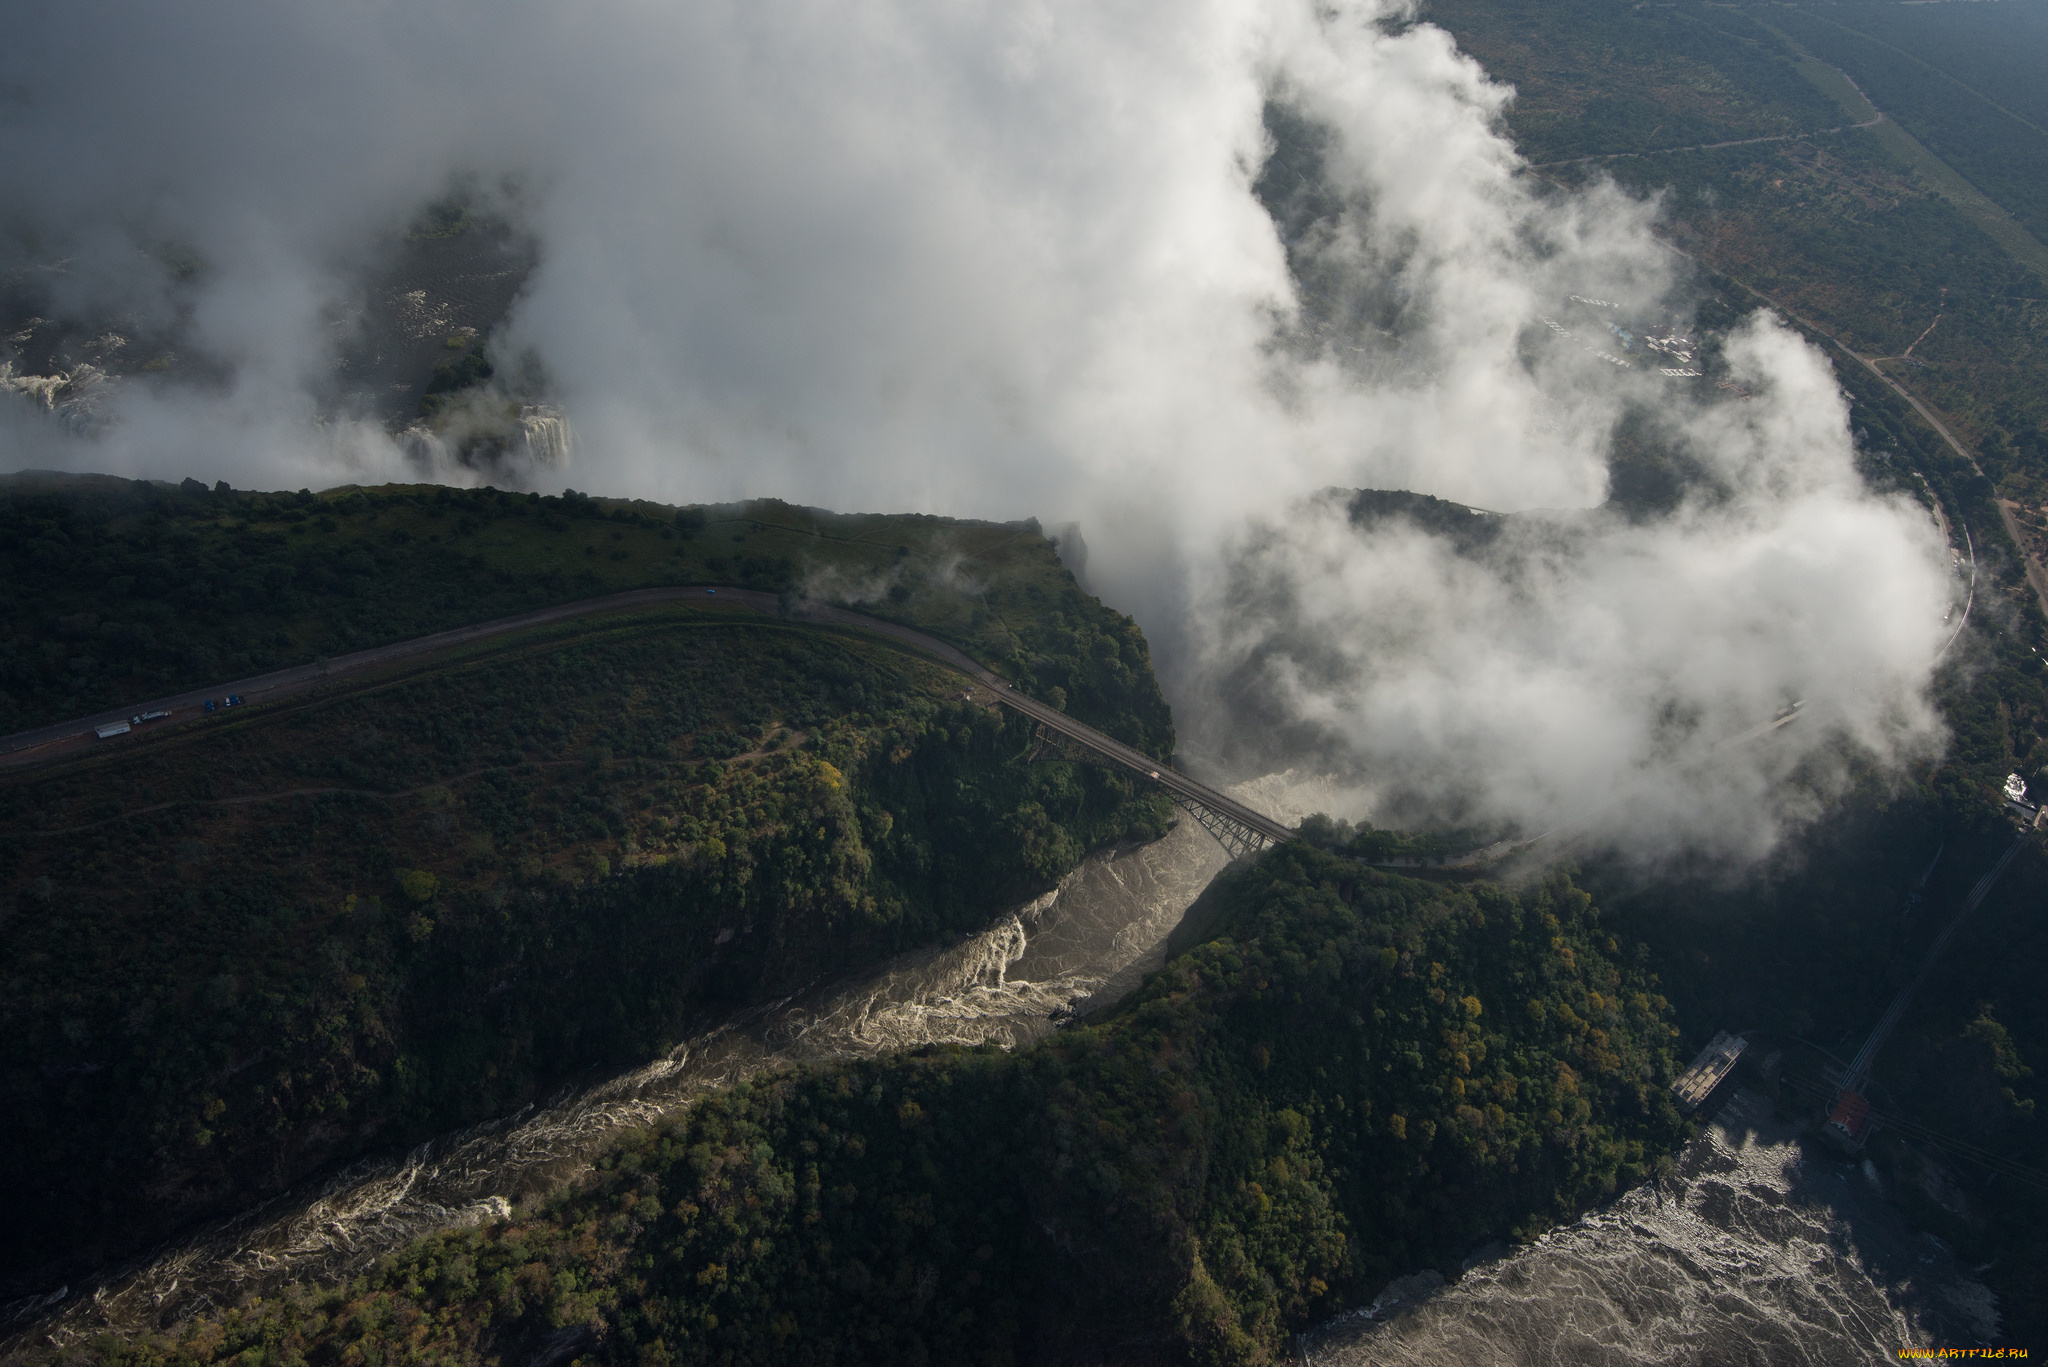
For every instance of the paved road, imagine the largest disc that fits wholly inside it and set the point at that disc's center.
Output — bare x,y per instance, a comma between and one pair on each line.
1708,146
71,737
2035,577
67,737
1055,720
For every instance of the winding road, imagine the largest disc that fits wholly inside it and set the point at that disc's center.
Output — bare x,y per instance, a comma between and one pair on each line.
67,738
2036,579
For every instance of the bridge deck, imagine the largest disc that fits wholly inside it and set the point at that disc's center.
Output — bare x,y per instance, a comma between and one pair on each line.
1080,733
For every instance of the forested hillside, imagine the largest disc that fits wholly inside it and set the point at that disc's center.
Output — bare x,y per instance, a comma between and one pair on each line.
1864,232
113,591
1357,1075
230,958
416,899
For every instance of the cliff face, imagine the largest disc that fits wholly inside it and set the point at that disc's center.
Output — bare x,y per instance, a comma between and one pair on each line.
239,954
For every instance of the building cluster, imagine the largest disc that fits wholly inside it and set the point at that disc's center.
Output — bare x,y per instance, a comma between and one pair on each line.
1561,330
1662,342
2016,799
1713,1067
1674,344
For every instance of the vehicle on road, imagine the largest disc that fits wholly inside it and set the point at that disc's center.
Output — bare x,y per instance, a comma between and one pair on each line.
112,728
27,744
142,717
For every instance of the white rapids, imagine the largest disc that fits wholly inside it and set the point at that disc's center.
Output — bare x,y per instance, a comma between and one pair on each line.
1759,1252
1085,943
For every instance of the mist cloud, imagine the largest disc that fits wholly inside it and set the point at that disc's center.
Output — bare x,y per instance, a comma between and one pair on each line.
1582,671
991,260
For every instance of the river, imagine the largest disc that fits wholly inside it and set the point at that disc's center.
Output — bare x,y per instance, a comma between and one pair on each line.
1085,943
1759,1251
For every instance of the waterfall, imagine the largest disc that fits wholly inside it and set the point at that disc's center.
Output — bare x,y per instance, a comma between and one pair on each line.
75,398
483,427
425,447
544,435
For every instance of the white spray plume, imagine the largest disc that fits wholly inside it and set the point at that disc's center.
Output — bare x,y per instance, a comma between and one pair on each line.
994,259
1585,672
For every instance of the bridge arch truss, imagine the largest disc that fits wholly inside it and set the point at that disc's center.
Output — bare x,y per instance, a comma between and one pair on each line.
1243,834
